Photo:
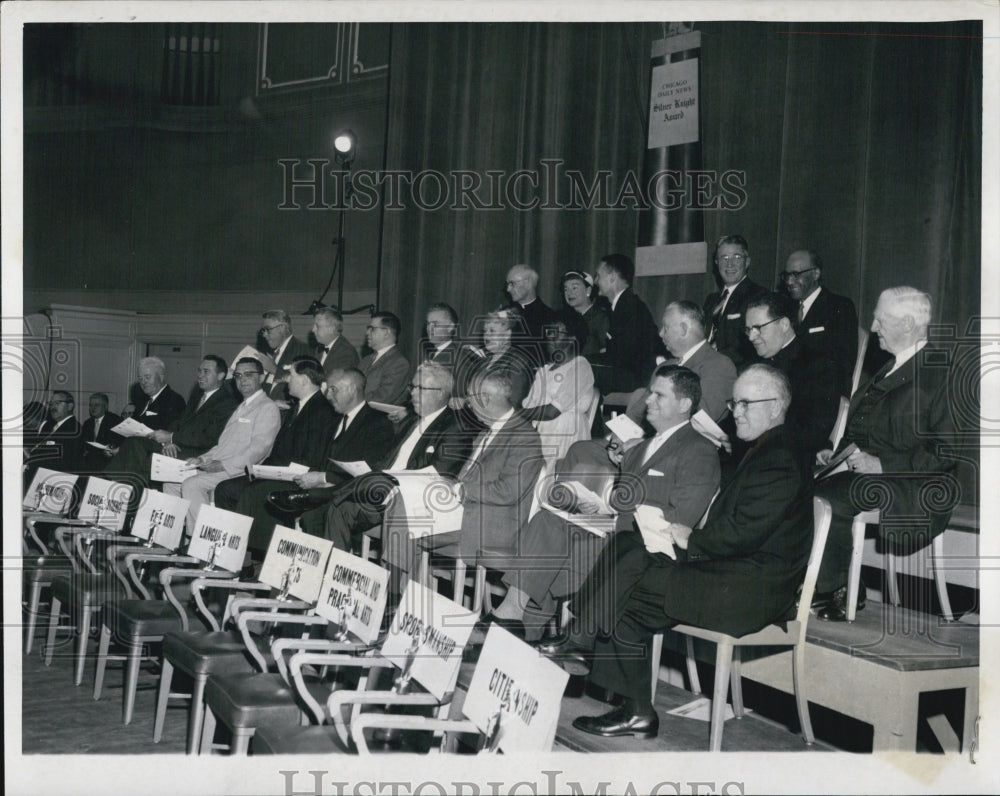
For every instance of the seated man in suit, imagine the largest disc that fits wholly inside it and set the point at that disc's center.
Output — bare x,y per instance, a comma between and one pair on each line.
825,322
284,349
899,422
675,470
815,398
724,309
97,428
737,574
162,406
333,350
58,443
440,344
431,437
360,434
303,438
195,431
245,440
494,486
630,353
386,370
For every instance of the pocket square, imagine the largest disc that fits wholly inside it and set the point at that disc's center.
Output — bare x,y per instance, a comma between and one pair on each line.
815,329
148,413
733,316
656,472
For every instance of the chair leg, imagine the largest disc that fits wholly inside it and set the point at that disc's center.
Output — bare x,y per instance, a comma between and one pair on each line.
736,684
131,680
798,684
937,560
692,667
81,651
207,733
656,652
33,602
241,740
196,714
50,640
723,660
102,660
890,577
162,697
854,573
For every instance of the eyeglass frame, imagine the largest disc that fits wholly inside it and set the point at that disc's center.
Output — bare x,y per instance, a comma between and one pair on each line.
422,388
266,329
726,258
745,403
758,326
787,275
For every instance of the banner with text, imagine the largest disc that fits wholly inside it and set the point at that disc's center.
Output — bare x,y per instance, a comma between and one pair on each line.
673,104
429,633
354,592
295,563
160,518
220,537
518,687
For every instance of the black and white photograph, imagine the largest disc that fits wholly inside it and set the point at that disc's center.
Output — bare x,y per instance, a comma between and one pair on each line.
499,398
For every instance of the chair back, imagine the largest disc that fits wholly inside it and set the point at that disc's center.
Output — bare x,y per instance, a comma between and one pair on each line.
840,425
822,514
864,336
595,405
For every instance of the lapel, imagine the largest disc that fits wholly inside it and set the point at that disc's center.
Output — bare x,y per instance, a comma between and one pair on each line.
667,449
354,428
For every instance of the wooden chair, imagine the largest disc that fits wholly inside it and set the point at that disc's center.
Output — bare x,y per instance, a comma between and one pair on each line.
727,655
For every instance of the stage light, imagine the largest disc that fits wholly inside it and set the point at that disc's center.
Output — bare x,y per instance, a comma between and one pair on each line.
345,146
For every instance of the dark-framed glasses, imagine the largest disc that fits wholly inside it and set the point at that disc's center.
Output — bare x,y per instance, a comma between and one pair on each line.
788,276
735,259
422,387
758,326
743,403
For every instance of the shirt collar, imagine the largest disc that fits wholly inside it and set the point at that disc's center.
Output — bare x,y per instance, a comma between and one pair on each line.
807,302
380,351
281,348
501,421
423,423
353,413
906,355
157,395
690,352
247,401
618,295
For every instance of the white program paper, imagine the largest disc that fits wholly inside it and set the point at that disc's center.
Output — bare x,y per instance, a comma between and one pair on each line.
130,427
625,428
275,473
353,469
654,528
169,470
429,502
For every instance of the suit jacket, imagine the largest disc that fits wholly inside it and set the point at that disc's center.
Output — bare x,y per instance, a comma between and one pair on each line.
167,407
632,346
498,489
815,397
443,445
905,420
386,381
680,478
304,436
729,338
197,430
278,390
248,435
367,438
93,459
55,449
741,570
531,340
830,329
341,355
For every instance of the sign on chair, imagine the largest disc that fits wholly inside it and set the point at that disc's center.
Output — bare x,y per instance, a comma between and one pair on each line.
160,519
515,694
295,563
50,491
438,629
220,537
105,503
353,594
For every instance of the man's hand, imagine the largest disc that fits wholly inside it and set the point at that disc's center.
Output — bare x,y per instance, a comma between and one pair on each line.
823,457
680,534
163,437
110,452
397,415
585,507
211,466
282,405
171,450
861,462
311,480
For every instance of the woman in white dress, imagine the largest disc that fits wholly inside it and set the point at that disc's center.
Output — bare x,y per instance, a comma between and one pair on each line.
561,394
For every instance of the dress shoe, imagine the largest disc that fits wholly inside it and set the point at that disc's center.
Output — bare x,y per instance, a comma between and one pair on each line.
562,646
835,609
620,722
297,502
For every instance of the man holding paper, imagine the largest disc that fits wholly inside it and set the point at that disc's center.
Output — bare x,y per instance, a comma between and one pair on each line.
736,574
246,440
302,438
673,475
431,438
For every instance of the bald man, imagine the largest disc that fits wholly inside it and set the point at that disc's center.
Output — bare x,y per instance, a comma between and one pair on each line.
522,287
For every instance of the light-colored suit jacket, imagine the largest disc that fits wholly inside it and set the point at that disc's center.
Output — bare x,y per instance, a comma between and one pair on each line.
387,378
248,436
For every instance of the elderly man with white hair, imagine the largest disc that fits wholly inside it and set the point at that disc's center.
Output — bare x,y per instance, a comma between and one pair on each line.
522,287
898,425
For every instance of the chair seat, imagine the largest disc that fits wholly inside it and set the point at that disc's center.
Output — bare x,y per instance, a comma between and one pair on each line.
251,700
199,653
295,740
85,590
141,618
46,568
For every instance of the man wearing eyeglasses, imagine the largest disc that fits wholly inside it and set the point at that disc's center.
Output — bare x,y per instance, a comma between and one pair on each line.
284,348
522,287
815,396
386,370
736,574
58,443
724,309
825,322
333,350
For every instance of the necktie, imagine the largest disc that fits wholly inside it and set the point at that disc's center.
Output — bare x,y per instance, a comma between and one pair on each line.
341,427
201,403
326,350
802,311
476,453
717,313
